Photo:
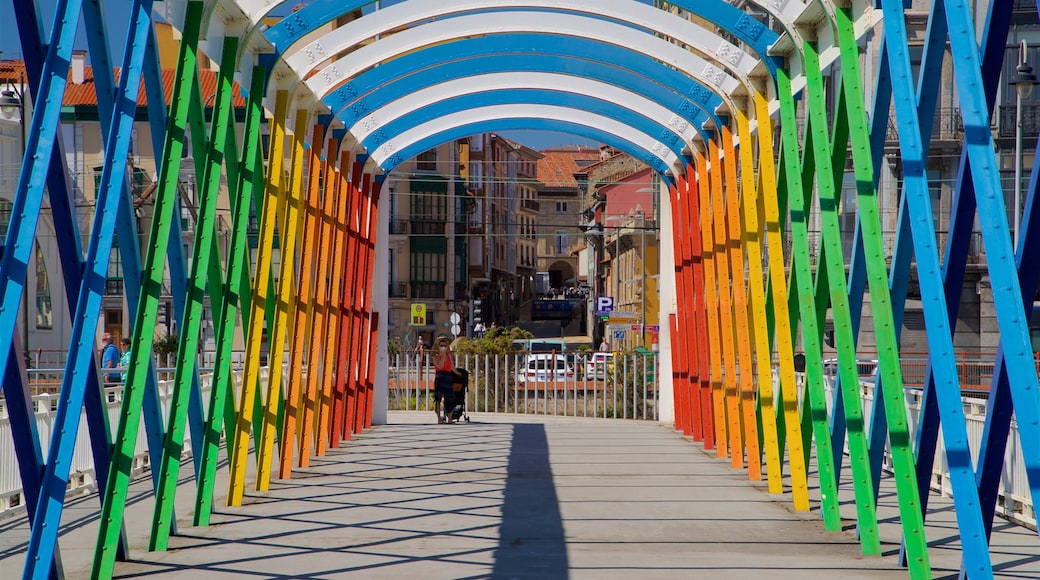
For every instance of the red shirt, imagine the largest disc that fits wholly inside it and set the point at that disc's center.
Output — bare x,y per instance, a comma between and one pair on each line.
446,364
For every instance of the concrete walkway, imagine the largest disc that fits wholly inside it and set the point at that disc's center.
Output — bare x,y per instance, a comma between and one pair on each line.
508,497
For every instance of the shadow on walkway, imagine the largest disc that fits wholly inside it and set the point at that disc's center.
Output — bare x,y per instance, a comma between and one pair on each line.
531,537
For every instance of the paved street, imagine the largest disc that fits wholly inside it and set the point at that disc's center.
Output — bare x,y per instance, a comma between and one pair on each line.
511,497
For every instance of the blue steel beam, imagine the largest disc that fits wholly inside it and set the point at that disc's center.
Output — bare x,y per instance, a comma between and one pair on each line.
126,223
1008,299
81,352
22,416
956,254
25,214
535,97
919,211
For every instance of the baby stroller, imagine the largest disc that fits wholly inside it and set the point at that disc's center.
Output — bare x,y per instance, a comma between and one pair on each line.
460,386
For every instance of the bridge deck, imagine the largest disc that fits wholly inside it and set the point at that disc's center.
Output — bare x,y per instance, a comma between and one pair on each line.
515,496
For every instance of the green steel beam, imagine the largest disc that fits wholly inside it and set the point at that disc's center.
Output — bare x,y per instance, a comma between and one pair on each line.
832,260
801,278
114,504
203,257
881,304
237,282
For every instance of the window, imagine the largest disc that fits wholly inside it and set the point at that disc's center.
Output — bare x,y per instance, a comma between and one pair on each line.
429,267
561,207
426,161
561,245
5,221
429,212
43,293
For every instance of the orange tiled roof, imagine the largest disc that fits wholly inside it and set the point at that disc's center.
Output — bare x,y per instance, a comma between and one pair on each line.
85,95
557,168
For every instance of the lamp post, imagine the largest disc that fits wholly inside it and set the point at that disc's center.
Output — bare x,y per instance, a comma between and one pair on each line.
642,277
12,103
1023,81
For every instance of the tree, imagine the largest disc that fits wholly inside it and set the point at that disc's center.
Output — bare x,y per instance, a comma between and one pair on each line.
496,341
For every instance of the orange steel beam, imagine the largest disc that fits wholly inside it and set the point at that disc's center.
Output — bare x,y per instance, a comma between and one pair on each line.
317,359
680,366
695,281
746,395
693,297
361,323
331,403
345,377
301,311
373,317
711,295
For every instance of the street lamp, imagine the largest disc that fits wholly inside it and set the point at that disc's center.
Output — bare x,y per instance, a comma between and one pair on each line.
1023,81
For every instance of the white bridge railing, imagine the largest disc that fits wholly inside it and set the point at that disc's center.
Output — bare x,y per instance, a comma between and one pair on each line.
624,388
81,475
1013,501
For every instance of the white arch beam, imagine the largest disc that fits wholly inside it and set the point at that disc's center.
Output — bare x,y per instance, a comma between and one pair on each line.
306,57
447,122
450,29
522,80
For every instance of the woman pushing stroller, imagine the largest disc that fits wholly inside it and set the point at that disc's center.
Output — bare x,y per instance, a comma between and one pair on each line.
442,391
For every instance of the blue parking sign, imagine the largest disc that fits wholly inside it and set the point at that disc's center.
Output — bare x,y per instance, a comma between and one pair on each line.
619,334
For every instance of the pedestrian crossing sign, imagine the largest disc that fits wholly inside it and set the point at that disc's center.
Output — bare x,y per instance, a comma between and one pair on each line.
418,315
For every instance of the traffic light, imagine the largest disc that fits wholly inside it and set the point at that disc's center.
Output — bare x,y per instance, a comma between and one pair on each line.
474,312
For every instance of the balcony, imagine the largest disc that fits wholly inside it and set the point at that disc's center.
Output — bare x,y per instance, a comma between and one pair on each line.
428,290
530,204
114,287
399,290
1030,120
398,227
1024,8
946,125
428,227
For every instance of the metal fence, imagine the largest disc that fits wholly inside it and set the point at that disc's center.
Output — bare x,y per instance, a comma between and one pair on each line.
568,384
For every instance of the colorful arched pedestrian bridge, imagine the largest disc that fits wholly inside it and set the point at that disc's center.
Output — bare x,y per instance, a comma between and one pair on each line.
751,117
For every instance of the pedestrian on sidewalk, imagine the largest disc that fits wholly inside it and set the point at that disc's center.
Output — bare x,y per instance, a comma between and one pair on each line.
109,358
124,359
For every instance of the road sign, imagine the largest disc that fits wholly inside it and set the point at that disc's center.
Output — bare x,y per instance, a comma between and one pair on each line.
455,318
619,334
418,315
456,330
604,304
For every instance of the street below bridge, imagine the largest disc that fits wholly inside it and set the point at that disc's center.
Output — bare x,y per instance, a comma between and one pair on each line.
511,496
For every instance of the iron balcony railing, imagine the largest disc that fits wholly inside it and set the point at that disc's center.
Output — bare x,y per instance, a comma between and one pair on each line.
947,125
1030,120
428,227
428,290
398,289
398,226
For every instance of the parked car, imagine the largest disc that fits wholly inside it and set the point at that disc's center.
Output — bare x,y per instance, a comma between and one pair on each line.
599,365
540,368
